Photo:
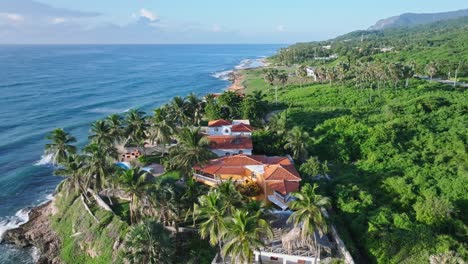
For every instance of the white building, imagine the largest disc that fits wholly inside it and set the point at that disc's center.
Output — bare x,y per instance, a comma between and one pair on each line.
223,127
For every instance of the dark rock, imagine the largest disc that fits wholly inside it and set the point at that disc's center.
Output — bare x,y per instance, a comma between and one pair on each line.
37,232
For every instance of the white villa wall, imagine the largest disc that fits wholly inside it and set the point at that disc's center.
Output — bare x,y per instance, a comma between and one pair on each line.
219,131
243,134
222,152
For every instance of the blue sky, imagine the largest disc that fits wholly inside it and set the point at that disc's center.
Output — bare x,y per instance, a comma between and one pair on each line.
197,21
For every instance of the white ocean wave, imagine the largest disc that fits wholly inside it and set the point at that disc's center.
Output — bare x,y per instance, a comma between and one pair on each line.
10,222
250,63
223,75
46,159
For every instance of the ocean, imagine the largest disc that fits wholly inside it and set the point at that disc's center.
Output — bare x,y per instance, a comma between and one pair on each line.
43,87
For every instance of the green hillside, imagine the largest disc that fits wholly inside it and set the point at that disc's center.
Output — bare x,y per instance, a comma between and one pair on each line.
445,43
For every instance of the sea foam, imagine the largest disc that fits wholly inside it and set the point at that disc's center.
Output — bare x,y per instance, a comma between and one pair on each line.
46,159
10,222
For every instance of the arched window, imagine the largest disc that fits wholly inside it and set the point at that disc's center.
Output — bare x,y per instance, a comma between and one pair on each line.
241,152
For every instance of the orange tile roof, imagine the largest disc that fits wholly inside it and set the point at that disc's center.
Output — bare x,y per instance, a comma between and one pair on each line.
241,128
278,172
284,187
218,123
230,142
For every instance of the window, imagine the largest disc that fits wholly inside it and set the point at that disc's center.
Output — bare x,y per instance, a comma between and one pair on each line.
273,258
226,130
241,152
216,129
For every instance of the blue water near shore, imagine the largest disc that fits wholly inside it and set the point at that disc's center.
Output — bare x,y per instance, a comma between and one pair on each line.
44,87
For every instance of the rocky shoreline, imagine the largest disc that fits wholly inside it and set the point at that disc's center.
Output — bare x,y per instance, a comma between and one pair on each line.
38,233
236,78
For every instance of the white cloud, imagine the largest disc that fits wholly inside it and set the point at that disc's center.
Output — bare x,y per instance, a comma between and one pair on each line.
280,28
12,17
59,20
148,14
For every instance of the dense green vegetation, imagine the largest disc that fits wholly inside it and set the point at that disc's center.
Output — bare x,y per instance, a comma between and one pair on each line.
442,43
398,162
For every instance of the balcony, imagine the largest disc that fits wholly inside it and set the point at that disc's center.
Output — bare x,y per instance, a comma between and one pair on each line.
211,179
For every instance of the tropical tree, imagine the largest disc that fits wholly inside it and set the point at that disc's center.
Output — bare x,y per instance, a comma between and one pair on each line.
161,133
136,126
212,211
192,148
134,182
269,76
407,72
148,242
330,74
177,111
229,195
301,72
341,69
60,147
254,106
244,234
99,165
194,108
163,199
307,213
431,69
283,78
101,133
116,129
298,142
72,167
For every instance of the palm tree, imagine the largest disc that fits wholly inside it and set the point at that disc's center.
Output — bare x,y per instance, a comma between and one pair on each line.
229,194
431,69
177,111
194,108
116,129
72,167
134,182
101,133
330,74
298,141
192,148
60,147
407,72
160,133
244,234
307,213
148,242
163,200
136,126
342,68
301,72
211,210
99,164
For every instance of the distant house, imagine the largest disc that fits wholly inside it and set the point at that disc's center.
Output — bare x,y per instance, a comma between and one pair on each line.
311,73
326,47
276,176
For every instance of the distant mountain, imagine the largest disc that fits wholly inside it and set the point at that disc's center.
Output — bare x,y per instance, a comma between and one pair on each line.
411,19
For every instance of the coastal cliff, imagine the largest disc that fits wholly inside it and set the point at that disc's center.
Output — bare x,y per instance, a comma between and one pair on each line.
66,230
38,232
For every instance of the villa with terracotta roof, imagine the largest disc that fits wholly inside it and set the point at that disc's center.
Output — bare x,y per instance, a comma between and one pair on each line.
230,138
223,127
276,176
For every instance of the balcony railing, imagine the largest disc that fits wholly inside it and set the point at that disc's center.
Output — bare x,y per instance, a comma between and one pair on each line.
214,180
